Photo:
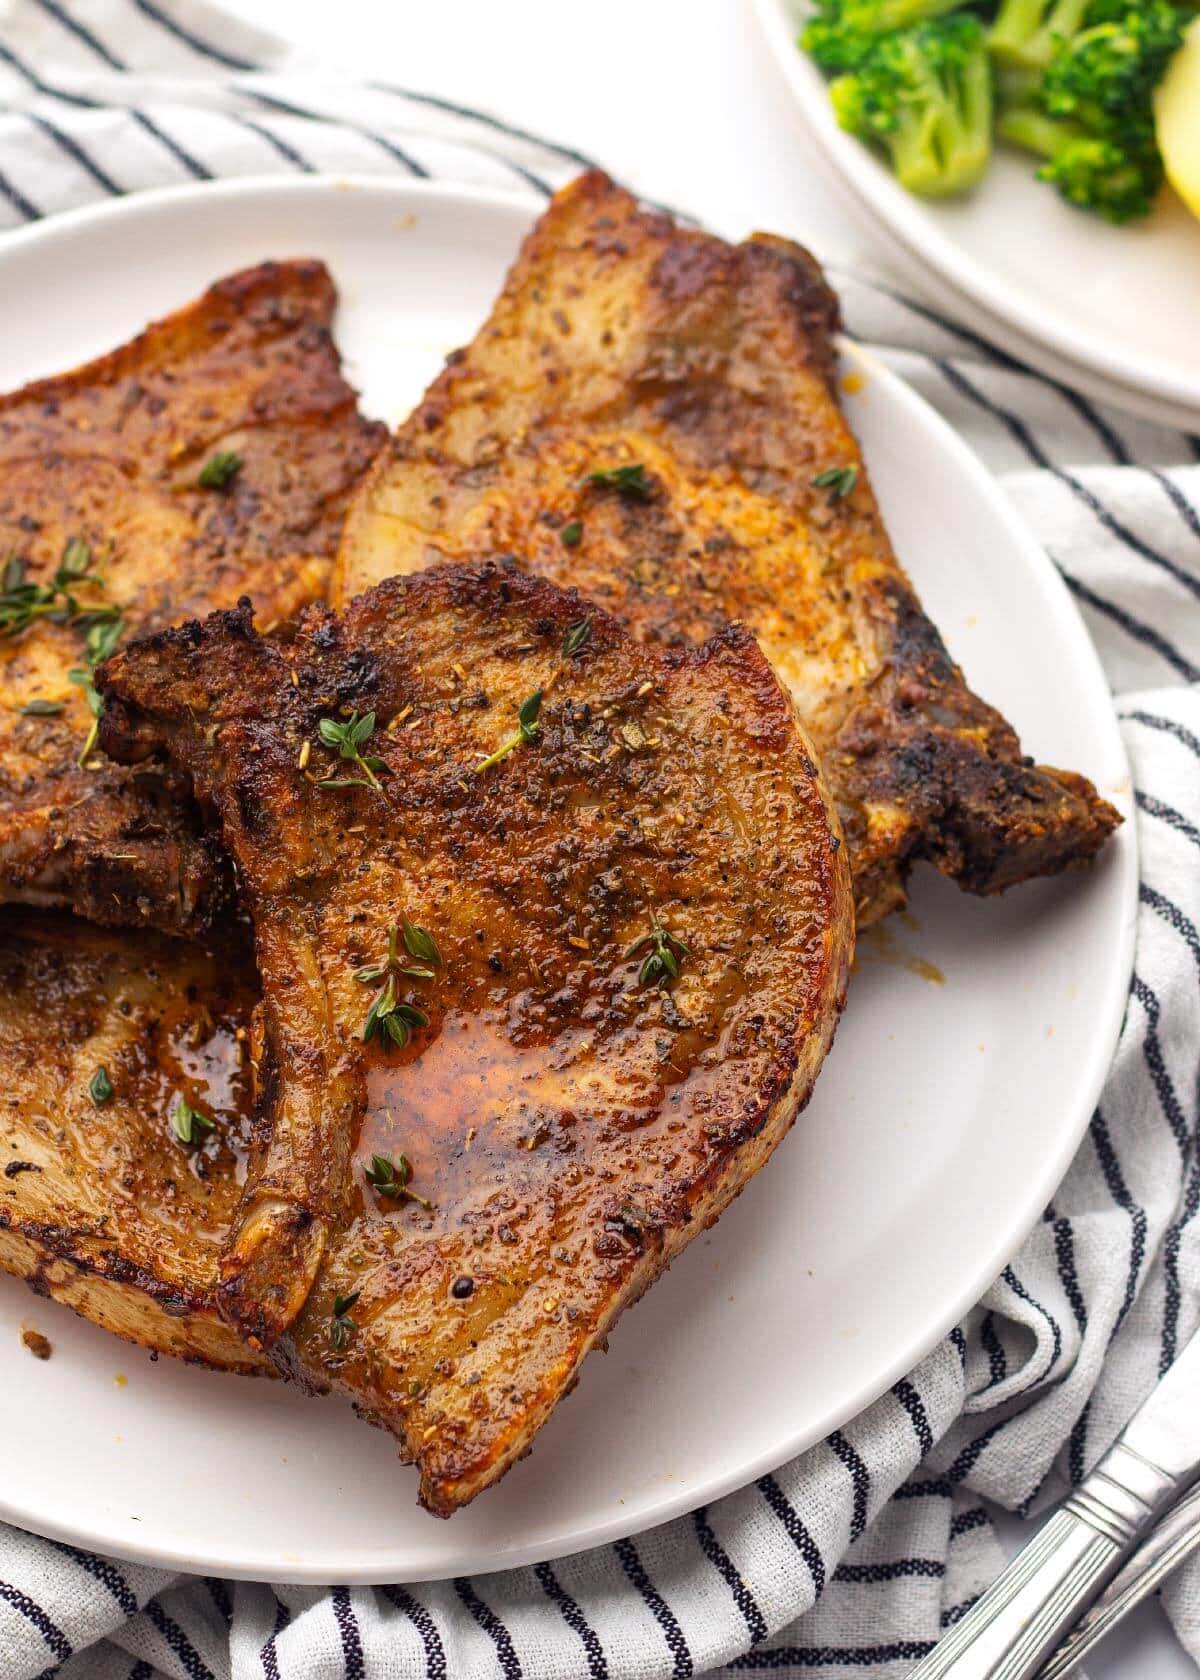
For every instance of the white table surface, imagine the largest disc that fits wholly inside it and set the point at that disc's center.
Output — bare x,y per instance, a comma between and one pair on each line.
681,98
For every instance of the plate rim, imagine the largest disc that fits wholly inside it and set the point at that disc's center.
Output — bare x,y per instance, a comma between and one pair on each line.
370,1569
922,239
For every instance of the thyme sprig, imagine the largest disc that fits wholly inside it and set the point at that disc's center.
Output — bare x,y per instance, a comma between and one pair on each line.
346,740
23,602
527,728
632,482
391,1178
341,1325
661,963
390,1017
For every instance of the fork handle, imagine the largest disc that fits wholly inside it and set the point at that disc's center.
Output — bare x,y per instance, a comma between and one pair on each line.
1031,1608
1028,1611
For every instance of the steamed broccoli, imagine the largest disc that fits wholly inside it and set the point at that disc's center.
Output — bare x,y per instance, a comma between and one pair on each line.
1072,80
926,94
1090,113
1026,32
1116,180
843,31
1105,75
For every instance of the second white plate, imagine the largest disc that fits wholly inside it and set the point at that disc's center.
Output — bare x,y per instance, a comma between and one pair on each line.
946,1115
1113,309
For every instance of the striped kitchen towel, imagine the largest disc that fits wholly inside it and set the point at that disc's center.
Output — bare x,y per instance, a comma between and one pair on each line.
849,1560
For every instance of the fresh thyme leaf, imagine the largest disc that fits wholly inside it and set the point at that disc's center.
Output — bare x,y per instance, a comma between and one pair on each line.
576,638
527,728
342,1326
632,481
419,943
100,1086
220,470
103,635
662,961
41,708
102,638
391,1178
839,481
571,535
77,557
397,1024
188,1123
379,1010
82,677
346,739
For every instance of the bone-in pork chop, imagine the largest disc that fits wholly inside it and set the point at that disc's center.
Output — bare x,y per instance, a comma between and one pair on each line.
650,415
211,457
553,931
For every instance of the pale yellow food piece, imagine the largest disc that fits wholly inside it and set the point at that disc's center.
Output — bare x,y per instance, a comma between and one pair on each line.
1177,119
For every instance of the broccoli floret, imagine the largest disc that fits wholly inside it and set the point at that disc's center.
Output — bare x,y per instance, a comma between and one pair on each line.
1105,75
1026,32
842,32
1090,113
925,94
1094,171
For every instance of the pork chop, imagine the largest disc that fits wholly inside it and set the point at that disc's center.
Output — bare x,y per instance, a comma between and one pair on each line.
102,1205
211,457
651,415
553,930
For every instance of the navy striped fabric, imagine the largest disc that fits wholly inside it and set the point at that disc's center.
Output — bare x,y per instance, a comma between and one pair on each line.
852,1559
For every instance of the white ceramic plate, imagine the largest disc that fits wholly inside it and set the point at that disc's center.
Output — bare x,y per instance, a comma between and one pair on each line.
944,1119
1056,287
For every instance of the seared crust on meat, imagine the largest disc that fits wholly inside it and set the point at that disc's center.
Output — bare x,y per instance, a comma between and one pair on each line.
622,339
569,1125
101,1206
110,455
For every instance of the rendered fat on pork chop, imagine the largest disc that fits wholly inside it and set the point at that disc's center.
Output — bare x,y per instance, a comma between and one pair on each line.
553,931
211,457
113,1044
650,414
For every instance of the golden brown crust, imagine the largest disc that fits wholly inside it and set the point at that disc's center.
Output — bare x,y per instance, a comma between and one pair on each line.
570,1127
101,1206
621,339
110,454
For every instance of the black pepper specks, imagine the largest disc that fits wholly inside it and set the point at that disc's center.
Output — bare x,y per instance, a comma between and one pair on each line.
462,1288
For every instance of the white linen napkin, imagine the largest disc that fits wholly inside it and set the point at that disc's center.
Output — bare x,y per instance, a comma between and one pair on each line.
851,1559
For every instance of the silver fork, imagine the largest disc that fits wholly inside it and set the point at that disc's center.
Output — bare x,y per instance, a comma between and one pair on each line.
1018,1625
1170,1544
